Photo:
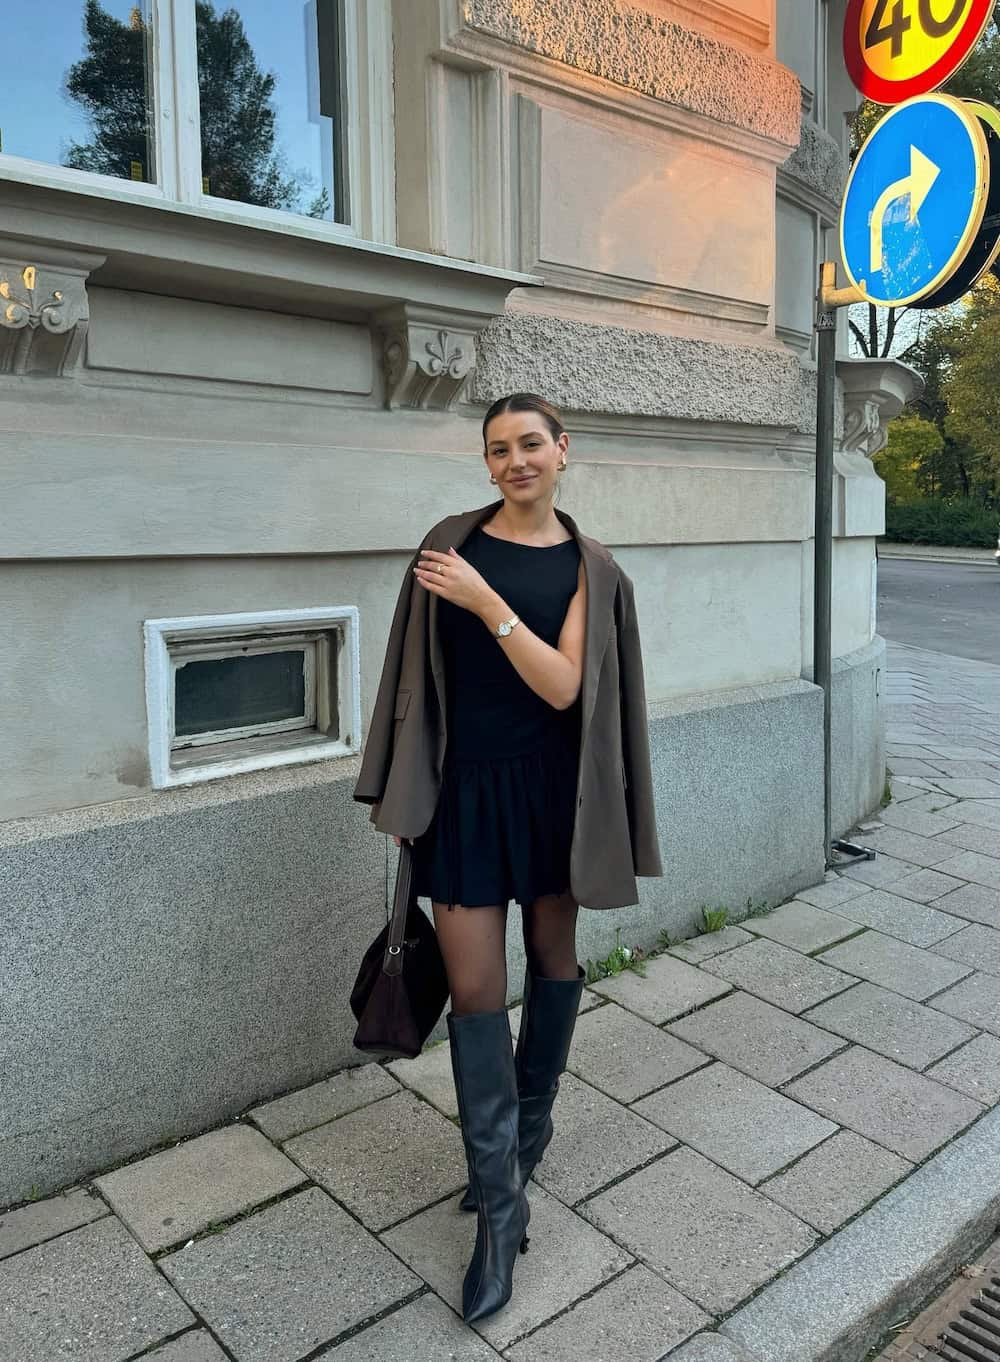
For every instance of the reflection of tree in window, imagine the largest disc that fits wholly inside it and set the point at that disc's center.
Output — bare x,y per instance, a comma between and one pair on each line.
111,84
239,160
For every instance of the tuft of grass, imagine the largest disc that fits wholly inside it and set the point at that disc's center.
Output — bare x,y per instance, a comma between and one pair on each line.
618,960
714,919
887,790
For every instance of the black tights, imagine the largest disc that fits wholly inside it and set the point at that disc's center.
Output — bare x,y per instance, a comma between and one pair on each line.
474,945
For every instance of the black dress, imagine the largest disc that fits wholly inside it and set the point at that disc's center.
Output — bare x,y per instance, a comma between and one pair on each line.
503,825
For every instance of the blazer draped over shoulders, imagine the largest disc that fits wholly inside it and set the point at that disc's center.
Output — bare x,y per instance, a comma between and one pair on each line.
614,832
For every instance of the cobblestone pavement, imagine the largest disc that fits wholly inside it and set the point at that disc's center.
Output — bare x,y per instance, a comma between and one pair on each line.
722,1117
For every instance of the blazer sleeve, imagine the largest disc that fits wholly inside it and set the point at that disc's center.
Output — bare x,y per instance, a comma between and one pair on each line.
378,744
635,740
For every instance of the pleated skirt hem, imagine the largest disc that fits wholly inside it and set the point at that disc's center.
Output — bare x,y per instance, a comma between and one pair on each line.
502,830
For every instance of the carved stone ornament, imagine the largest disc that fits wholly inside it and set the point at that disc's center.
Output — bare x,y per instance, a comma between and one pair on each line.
43,316
427,358
875,391
863,429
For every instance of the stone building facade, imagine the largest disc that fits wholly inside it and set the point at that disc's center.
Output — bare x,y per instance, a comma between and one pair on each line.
232,399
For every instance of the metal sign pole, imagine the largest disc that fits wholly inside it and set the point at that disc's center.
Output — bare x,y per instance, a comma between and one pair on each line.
826,382
828,300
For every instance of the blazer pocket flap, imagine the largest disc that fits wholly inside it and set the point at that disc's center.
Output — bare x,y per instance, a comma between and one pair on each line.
402,703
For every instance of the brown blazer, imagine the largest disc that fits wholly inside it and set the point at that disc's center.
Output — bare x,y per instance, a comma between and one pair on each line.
614,835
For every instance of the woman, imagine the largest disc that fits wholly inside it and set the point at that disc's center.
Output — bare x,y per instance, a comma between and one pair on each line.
508,742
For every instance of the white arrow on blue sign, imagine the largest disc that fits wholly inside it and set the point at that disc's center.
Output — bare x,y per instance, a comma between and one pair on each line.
915,200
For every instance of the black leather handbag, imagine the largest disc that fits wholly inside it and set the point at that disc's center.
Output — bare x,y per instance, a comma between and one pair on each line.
402,986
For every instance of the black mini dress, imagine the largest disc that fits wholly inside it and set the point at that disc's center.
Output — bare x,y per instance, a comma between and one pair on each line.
503,825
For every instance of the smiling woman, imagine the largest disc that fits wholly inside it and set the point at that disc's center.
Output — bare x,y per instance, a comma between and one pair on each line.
512,781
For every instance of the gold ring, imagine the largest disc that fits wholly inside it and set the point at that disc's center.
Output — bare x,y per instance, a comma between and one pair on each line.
440,568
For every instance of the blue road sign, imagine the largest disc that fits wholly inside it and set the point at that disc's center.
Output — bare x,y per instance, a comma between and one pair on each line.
915,200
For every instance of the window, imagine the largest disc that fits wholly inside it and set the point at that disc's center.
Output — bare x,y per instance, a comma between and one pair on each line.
78,87
268,129
206,102
236,693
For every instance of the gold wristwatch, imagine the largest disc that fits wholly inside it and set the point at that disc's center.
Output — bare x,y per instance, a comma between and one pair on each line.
505,627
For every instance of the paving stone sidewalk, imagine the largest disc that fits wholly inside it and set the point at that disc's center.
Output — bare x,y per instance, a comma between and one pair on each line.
723,1117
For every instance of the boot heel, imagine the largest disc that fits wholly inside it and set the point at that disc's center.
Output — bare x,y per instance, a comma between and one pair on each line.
524,1244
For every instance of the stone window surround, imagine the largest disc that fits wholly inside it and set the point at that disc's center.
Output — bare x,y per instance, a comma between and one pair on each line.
162,636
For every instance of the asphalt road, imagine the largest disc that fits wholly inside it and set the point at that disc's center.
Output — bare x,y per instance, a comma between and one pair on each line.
946,607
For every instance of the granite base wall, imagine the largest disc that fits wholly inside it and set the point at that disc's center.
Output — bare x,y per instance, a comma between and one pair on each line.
164,971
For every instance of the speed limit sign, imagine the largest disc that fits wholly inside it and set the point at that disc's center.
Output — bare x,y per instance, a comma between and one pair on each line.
895,49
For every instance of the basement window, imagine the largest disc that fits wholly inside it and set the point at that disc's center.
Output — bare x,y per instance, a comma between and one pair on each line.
234,693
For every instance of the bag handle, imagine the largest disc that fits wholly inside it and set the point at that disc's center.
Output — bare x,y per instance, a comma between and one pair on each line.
392,961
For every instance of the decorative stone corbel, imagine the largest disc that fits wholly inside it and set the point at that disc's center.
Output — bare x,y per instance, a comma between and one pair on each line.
875,391
428,354
43,309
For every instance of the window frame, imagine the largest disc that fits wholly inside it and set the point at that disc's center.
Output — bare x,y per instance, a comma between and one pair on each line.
367,144
313,676
195,757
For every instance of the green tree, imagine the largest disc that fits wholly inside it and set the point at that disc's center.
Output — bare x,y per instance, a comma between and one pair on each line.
912,441
950,471
971,385
238,119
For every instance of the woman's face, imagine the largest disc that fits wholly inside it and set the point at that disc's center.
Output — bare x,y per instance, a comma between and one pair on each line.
523,457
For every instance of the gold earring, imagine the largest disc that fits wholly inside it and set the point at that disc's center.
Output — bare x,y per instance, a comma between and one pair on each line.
492,478
561,466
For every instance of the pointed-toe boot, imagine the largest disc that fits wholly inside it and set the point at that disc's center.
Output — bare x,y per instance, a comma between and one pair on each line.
482,1061
548,1019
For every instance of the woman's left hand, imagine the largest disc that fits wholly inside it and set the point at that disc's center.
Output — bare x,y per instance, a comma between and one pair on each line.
449,575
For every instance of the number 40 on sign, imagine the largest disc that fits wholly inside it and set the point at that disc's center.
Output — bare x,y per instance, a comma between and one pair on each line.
896,49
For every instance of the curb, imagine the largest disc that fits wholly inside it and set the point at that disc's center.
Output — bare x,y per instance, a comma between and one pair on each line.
837,1302
929,554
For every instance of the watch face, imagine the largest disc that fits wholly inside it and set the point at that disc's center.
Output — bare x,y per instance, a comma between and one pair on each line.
504,629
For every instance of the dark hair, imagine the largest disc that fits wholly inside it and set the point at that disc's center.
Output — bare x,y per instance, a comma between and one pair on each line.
525,402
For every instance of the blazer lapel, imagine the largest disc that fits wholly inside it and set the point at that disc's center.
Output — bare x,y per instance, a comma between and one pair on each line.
602,582
601,586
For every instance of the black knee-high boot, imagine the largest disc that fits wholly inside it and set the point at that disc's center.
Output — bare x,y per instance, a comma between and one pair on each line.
548,1019
486,1085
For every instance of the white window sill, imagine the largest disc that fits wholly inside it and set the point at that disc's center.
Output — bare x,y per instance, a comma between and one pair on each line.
260,754
229,252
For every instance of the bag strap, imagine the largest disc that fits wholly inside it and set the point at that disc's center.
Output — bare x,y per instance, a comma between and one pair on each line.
392,961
